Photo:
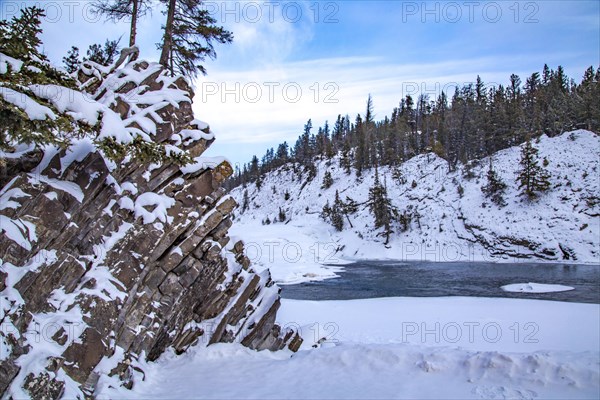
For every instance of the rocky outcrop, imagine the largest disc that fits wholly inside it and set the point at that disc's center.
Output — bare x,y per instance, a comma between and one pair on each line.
105,264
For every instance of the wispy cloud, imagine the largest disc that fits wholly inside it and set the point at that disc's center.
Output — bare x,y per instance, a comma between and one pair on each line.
271,105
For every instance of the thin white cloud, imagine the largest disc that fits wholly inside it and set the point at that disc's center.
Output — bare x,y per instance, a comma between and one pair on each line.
259,105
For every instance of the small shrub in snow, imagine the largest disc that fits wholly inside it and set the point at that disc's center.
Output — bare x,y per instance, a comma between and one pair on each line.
281,215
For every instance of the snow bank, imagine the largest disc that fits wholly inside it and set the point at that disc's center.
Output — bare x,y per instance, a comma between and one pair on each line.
474,323
294,253
373,362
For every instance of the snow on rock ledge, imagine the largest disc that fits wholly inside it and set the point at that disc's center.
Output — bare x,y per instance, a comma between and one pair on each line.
104,267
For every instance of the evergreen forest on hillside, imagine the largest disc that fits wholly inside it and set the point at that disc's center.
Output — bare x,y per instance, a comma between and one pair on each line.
475,122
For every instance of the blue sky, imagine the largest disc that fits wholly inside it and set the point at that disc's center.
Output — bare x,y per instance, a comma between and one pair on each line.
291,61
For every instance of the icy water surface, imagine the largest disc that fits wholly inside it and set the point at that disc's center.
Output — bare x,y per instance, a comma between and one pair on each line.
371,279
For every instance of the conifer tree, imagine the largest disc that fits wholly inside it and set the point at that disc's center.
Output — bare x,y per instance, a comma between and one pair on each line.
245,201
532,178
333,214
531,104
103,55
19,39
381,206
327,180
118,10
347,207
398,176
337,220
495,187
189,34
360,153
281,215
72,61
326,211
345,160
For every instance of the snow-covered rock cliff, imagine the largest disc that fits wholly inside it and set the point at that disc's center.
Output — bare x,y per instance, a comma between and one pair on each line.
107,263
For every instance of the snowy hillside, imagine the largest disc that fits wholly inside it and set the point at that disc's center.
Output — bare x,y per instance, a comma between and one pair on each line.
449,217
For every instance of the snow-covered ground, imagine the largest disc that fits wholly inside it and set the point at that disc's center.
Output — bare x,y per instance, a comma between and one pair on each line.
563,225
451,347
400,348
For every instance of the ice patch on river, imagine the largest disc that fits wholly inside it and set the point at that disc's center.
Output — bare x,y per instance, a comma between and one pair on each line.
535,288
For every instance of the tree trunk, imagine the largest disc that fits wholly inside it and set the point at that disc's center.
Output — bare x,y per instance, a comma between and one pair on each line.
350,222
168,36
134,17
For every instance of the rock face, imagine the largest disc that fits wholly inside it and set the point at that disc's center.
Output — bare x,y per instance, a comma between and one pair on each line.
103,264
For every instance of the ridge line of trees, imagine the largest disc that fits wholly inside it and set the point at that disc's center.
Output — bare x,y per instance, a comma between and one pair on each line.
474,123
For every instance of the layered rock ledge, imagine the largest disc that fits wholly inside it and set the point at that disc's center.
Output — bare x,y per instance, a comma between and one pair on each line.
105,263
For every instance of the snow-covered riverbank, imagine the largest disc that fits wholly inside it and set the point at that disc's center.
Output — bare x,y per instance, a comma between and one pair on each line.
400,348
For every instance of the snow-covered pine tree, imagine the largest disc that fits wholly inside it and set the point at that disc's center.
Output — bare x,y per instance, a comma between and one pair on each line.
327,180
326,211
337,219
398,176
245,201
360,153
494,188
532,178
19,39
345,160
281,215
347,207
381,206
334,214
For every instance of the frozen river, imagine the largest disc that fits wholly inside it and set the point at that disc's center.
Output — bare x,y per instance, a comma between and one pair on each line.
372,279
